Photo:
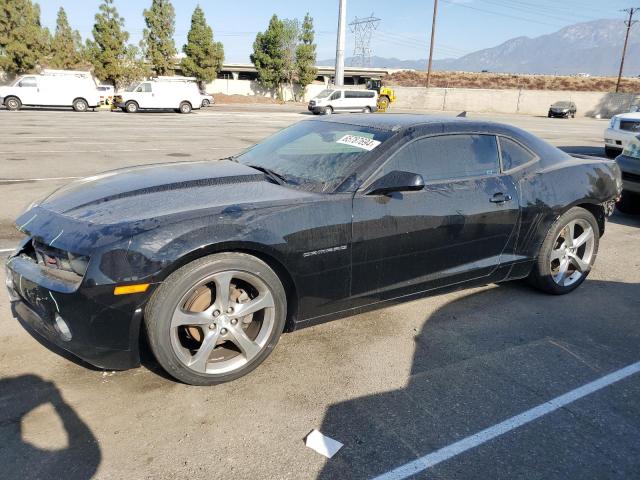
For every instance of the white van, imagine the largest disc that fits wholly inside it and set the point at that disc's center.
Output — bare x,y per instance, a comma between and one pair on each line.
177,93
52,88
344,100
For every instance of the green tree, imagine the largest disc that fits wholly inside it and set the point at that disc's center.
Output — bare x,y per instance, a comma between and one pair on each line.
66,44
269,56
291,32
113,60
23,41
204,57
157,41
306,54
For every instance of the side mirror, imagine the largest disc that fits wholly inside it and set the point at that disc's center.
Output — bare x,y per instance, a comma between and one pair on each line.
396,181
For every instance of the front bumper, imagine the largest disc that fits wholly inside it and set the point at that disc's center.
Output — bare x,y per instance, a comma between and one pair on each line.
630,168
617,139
97,327
556,114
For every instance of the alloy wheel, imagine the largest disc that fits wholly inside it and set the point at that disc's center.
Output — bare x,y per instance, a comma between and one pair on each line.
223,322
572,253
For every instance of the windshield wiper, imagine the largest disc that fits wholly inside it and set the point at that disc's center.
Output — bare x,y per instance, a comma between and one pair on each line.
274,176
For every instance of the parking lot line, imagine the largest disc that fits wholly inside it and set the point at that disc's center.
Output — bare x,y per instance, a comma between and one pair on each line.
472,441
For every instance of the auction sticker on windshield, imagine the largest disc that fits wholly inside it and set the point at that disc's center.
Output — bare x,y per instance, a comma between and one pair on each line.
360,142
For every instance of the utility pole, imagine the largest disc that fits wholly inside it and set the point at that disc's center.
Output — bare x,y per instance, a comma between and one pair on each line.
433,36
342,34
629,23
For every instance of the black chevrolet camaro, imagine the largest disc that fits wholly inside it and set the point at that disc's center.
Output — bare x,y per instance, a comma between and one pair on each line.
213,260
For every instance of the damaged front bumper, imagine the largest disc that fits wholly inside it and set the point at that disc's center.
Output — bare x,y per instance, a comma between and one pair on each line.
81,319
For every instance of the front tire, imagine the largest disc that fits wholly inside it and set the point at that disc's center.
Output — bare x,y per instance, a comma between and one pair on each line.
131,107
80,105
217,318
13,103
205,103
327,111
383,103
567,254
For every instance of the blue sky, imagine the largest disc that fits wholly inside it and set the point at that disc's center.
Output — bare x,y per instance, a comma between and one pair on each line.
463,25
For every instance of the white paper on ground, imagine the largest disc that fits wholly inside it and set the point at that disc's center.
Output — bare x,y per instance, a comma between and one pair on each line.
322,444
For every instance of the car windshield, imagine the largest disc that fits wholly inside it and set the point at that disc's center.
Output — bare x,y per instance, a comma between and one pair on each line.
132,87
324,93
562,104
315,155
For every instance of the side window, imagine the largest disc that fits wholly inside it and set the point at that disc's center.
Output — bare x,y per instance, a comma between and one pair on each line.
350,94
335,96
448,157
28,82
513,155
144,87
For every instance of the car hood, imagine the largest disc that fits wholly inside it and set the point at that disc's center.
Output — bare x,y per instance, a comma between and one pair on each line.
629,116
153,191
136,199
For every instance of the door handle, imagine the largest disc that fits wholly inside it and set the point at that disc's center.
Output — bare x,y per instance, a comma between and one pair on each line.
500,198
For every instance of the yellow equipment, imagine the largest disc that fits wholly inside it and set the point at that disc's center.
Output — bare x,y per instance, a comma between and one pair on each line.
386,95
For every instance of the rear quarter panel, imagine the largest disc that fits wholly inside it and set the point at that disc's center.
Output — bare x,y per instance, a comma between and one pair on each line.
548,192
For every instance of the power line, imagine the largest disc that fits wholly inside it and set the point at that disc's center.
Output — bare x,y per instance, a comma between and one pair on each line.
501,14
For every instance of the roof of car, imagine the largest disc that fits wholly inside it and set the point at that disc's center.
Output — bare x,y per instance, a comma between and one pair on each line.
397,121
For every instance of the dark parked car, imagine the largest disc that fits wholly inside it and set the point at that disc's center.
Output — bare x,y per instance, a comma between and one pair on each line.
629,163
214,259
562,110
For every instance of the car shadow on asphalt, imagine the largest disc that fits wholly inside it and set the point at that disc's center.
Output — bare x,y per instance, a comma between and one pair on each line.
491,355
19,458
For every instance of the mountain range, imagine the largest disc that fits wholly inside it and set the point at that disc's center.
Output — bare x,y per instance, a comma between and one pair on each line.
591,47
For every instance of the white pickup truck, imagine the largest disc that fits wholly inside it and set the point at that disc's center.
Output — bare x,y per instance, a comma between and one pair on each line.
622,129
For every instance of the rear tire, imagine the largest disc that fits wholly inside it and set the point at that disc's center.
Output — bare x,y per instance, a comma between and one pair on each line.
13,103
557,269
80,105
185,107
366,110
187,314
131,107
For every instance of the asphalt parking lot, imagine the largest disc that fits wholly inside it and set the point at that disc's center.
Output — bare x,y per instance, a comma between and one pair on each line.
394,385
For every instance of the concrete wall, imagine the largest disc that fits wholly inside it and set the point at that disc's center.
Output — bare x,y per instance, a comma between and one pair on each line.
529,102
251,87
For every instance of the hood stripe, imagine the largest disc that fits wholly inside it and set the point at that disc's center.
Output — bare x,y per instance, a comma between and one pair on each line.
201,182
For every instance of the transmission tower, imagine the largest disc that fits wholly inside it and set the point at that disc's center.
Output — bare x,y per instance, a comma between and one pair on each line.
363,29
